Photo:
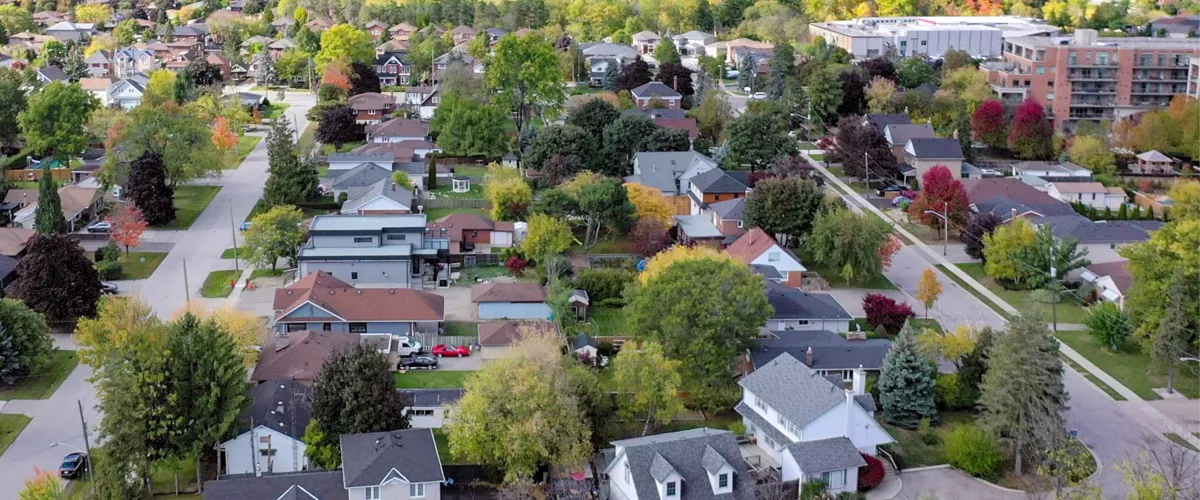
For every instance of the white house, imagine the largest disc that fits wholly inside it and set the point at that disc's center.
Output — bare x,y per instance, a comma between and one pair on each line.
272,439
1111,279
693,42
430,408
757,248
1093,194
810,427
397,130
128,93
696,463
382,197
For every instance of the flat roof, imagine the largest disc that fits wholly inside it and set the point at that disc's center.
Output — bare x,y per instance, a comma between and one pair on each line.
355,253
1114,42
698,226
366,222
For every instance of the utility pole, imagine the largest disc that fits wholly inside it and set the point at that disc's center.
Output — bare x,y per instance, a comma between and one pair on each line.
86,445
187,293
233,232
945,227
866,174
1054,288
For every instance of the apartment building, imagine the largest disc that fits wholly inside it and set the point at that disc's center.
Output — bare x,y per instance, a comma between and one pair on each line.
1088,78
931,36
1193,86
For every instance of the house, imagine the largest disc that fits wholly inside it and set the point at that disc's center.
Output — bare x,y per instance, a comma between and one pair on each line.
322,302
732,51
191,33
355,179
390,65
796,309
898,135
429,408
382,197
510,301
402,31
98,87
318,25
715,185
756,247
497,337
49,74
429,104
1152,163
79,205
317,484
398,130
656,91
457,57
376,28
259,40
1102,239
221,62
31,41
131,61
99,64
1011,198
299,355
339,162
370,249
807,426
495,34
127,94
414,96
1112,280
829,353
1052,171
693,464
924,154
13,240
729,217
698,230
598,56
462,34
645,42
686,124
65,31
49,17
271,436
277,48
407,151
585,346
671,173
372,107
1092,194
693,42
472,233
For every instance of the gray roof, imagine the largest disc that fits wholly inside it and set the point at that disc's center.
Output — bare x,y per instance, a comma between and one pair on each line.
361,157
1087,231
1004,206
432,398
684,452
670,113
281,404
830,350
794,303
766,271
7,266
825,455
608,50
384,188
360,176
318,485
866,401
898,134
1065,168
661,169
713,461
935,148
883,120
761,423
698,227
652,90
366,222
718,181
661,469
583,340
797,392
52,73
368,459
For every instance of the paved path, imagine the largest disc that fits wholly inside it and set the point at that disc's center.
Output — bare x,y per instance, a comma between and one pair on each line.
949,484
57,418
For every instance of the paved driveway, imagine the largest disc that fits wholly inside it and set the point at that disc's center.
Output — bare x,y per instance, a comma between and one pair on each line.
949,484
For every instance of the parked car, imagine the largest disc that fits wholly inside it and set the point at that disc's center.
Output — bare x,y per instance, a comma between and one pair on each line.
73,465
245,226
458,351
758,96
409,347
900,200
107,288
418,363
100,227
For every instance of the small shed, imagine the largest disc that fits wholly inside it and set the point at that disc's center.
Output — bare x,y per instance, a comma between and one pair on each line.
580,304
509,160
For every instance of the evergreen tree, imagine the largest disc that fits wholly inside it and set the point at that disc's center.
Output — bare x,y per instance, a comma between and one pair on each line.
74,66
266,69
1022,393
1176,330
783,62
48,216
611,73
431,178
149,191
974,364
824,95
746,69
56,279
906,383
702,18
290,180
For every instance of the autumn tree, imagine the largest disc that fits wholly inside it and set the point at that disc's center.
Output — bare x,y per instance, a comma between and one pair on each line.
862,150
944,194
546,236
929,289
633,75
1003,248
274,234
952,345
647,384
880,94
179,135
849,243
149,191
339,125
56,279
1032,136
1092,153
649,236
649,202
224,138
990,124
346,44
509,197
128,224
44,485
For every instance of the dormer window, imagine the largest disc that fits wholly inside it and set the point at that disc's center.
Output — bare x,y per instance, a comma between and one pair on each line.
671,489
723,481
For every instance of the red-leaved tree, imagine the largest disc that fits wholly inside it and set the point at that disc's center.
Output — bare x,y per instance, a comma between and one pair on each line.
941,193
649,236
128,224
1032,136
223,137
990,125
883,311
887,250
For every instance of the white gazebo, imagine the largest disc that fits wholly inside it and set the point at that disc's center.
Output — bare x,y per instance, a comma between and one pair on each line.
460,184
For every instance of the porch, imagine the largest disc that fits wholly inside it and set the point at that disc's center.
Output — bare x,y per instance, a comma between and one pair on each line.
762,466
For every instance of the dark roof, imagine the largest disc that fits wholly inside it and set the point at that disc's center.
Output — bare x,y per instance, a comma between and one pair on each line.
830,350
506,332
900,133
583,340
734,209
794,303
281,404
319,485
718,181
1118,271
368,459
53,73
655,89
668,113
299,355
882,121
430,398
7,266
363,175
935,148
684,453
766,271
825,455
1011,192
1087,231
760,422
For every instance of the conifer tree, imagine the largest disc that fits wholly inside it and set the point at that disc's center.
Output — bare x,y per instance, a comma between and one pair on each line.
149,191
48,216
1175,331
290,180
906,383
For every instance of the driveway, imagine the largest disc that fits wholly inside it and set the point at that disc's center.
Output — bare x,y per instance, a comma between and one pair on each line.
949,484
458,304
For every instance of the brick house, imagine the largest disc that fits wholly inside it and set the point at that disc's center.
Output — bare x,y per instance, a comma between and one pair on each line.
371,107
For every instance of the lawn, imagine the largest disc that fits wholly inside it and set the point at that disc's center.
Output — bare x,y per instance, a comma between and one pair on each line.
229,253
216,285
329,149
920,324
307,139
876,282
470,170
162,477
609,321
461,329
912,451
1130,366
190,202
140,265
436,379
806,146
42,383
11,427
476,192
443,446
608,244
817,157
1175,438
1068,311
245,145
275,110
437,213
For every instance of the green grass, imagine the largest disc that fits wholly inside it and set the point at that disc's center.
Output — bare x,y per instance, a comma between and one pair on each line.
1130,366
806,145
275,110
216,285
443,445
817,157
913,450
42,383
1179,440
608,244
162,476
476,192
461,329
245,145
323,172
436,379
133,267
229,253
986,301
329,149
470,170
875,282
1068,311
190,202
31,184
437,213
11,427
610,321
1112,393
307,139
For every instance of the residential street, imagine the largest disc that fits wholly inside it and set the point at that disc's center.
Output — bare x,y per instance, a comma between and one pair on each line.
57,418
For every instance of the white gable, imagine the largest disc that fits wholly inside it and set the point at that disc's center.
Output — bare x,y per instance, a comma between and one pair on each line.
781,260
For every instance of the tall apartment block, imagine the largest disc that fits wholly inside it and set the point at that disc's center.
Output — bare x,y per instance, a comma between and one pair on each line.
1089,78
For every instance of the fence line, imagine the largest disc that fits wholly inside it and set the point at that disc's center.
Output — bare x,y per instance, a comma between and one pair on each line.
453,203
428,340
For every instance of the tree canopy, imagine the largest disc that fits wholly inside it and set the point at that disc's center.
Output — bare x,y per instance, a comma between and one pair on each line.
54,118
467,127
177,134
56,279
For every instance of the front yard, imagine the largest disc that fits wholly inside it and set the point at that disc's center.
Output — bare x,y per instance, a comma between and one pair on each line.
42,383
1068,310
245,145
140,265
874,282
275,110
190,202
329,149
1131,366
433,379
11,427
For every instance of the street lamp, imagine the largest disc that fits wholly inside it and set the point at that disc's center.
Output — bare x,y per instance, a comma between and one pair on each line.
945,217
87,461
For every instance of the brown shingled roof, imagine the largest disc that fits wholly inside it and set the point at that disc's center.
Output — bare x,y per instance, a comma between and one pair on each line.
359,304
299,355
750,245
508,292
494,333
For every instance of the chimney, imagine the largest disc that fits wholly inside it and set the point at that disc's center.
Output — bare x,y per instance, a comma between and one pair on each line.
859,383
849,402
955,134
808,356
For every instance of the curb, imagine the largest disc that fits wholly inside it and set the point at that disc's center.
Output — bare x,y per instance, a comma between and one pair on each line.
1099,463
929,467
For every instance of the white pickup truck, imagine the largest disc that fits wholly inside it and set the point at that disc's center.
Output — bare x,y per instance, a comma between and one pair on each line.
408,347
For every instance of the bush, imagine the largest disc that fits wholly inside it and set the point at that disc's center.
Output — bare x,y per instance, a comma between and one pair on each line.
737,428
603,284
611,302
108,252
812,490
109,269
885,312
973,450
928,434
516,265
871,475
949,393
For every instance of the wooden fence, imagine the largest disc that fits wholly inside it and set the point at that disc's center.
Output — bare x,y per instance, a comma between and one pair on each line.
59,174
428,340
452,203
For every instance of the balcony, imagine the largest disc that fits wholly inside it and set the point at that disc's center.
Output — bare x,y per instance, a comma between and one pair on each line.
1156,92
1092,76
1107,104
1093,90
1092,65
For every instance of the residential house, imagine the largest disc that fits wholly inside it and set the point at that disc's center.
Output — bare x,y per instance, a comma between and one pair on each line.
370,249
322,302
261,41
729,217
645,42
402,152
13,241
131,61
283,23
671,173
99,64
360,177
49,74
79,206
98,87
1011,198
429,408
510,301
898,135
1152,163
598,56
221,62
402,31
457,56
693,42
656,91
829,353
881,121
686,124
495,34
1112,280
496,338
756,247
693,464
382,197
27,40
372,107
698,230
462,34
391,67
807,426
341,162
399,47
798,310
923,154
65,31
277,48
398,130
1092,194
716,185
1052,171
472,233
376,28
49,17
732,51
429,104
311,485
414,96
271,434
195,34
127,94
299,355
318,25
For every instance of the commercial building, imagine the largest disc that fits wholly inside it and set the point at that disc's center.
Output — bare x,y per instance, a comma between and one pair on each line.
929,36
1089,78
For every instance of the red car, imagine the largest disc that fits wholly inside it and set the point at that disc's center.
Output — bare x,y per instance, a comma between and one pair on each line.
457,351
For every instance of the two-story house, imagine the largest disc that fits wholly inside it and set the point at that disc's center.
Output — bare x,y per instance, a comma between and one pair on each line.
131,61
645,42
472,233
692,43
376,249
402,31
923,154
716,185
376,28
830,354
277,48
598,56
321,302
1153,163
99,64
372,107
757,248
693,464
127,94
271,434
391,67
398,130
807,426
462,34
670,173
898,135
729,217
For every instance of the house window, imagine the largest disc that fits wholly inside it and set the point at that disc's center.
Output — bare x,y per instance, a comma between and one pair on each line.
396,237
421,413
296,327
762,405
723,481
773,257
739,224
353,276
835,479
671,489
358,328
372,493
416,490
325,327
267,452
363,239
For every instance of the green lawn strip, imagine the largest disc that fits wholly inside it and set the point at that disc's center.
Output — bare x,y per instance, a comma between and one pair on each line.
443,446
307,140
276,110
266,273
1094,379
447,192
470,170
470,274
190,202
986,301
912,451
1130,366
216,285
805,146
460,329
817,157
609,321
229,253
833,277
11,427
1068,310
437,213
1175,438
140,265
244,146
42,383
435,379
329,149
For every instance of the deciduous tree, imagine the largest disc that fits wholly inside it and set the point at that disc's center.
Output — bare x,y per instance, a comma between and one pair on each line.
1153,265
929,289
355,393
712,115
224,138
952,345
509,197
862,150
149,191
274,234
785,208
93,13
565,140
363,78
1108,324
523,74
547,236
43,486
880,94
757,140
347,44
339,126
54,118
1003,248
593,116
854,93
12,102
649,236
944,194
647,384
667,139
678,77
883,311
469,128
160,89
56,279
624,137
181,138
1092,153
906,383
1032,136
990,124
128,224
650,203
980,225
633,75
849,243
25,339
915,71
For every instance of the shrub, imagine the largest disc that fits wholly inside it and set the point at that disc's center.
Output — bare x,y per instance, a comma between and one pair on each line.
109,269
603,284
928,434
885,312
516,265
812,490
737,428
950,394
108,252
871,475
973,450
611,302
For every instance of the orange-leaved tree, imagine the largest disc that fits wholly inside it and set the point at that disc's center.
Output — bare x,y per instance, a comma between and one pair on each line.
128,224
223,135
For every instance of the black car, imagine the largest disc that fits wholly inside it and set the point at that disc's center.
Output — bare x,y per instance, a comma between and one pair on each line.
107,288
418,363
73,465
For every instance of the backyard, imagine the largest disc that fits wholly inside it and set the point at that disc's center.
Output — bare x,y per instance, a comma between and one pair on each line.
447,192
433,214
1068,311
433,379
190,202
609,321
1131,366
42,383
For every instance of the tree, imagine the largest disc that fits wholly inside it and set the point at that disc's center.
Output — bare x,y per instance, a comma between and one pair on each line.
93,13
623,138
1176,333
796,167
647,384
160,89
562,140
274,234
1092,153
53,52
26,341
12,102
347,44
177,134
953,345
56,279
824,96
678,77
880,94
197,77
1153,265
605,205
883,311
863,151
338,126
544,421
355,393
468,128
612,74
363,78
522,72
633,75
944,194
849,243
290,180
1032,136
929,289
1108,324
16,19
854,97
747,68
649,236
979,226
1003,248
915,71
954,59
128,224
757,140
593,116
713,114
547,236
990,124
785,208
1023,397
1063,254
650,203
666,53
510,197
54,118
783,63
556,202
906,383
48,215
125,34
149,191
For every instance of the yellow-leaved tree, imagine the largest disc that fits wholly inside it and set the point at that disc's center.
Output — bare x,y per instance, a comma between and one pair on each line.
650,203
929,290
246,329
1003,248
664,259
546,236
948,345
120,322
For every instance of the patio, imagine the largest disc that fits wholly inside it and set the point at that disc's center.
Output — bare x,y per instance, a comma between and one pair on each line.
761,465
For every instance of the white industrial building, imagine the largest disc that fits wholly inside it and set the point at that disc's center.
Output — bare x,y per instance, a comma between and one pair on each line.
981,36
